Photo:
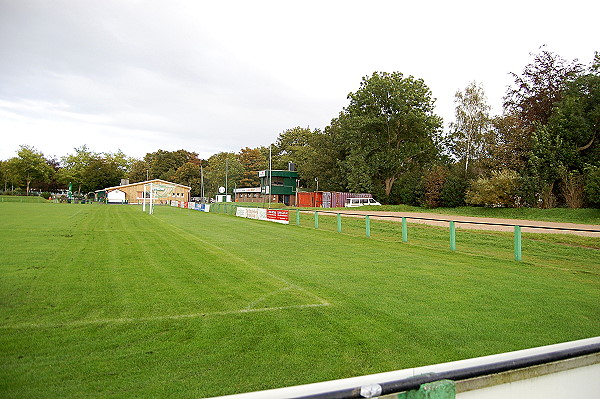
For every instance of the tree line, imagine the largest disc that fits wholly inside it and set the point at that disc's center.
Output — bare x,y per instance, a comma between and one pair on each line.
542,151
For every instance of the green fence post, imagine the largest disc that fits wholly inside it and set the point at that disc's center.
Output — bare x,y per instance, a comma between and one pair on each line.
316,219
518,248
404,230
368,225
339,223
297,217
452,236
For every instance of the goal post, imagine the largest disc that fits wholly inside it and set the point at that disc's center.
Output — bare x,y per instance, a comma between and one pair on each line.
156,193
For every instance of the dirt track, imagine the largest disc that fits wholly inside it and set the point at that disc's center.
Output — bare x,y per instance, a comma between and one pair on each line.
477,223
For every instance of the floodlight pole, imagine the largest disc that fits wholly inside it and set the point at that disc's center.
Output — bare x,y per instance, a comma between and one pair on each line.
201,183
226,173
270,174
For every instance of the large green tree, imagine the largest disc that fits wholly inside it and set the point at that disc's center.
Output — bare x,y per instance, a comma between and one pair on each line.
90,171
75,167
163,164
540,87
302,147
138,171
30,166
102,172
389,127
8,171
533,104
252,160
223,170
567,145
188,174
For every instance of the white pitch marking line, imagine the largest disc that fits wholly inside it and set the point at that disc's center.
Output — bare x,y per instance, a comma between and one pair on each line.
157,318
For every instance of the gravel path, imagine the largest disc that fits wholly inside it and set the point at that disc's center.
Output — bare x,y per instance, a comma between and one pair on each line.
477,223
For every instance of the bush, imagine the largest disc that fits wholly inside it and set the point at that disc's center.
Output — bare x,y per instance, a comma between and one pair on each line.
408,189
592,186
498,190
572,189
453,192
526,194
433,184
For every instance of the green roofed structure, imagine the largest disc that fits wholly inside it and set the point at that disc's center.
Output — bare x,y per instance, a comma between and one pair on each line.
282,185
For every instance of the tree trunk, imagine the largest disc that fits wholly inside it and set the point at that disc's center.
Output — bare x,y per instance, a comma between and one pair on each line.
389,182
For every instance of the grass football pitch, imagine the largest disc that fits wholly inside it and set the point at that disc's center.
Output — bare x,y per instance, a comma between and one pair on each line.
106,301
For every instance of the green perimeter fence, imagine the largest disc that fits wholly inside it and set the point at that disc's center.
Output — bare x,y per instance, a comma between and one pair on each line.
22,198
397,228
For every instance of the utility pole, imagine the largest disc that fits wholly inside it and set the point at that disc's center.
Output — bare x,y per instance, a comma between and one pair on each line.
201,183
226,173
270,174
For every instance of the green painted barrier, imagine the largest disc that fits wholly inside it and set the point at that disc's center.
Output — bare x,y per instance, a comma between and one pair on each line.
443,389
452,236
316,219
518,247
368,225
404,230
339,223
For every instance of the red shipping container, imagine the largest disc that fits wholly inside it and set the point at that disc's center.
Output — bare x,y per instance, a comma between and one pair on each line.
309,199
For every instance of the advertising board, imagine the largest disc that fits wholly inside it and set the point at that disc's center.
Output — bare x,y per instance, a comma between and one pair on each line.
271,215
278,216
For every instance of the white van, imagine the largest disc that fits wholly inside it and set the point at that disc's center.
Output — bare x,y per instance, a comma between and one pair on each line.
352,202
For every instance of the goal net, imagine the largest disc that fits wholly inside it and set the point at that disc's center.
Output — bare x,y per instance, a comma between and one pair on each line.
157,193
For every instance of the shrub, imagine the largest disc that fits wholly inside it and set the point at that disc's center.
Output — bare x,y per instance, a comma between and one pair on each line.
498,190
592,186
433,184
572,189
453,192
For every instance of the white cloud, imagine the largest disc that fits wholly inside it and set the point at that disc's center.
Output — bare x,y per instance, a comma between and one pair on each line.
214,76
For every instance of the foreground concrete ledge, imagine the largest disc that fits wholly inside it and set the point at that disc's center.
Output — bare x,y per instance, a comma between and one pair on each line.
464,386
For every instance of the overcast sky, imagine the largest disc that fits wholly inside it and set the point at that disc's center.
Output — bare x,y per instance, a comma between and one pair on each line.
211,76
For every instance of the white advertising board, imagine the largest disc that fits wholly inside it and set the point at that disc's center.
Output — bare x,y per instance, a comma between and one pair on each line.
271,215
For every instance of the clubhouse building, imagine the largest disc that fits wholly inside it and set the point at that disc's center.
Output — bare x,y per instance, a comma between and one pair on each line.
163,192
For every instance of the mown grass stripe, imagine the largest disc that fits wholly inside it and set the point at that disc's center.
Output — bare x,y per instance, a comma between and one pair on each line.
122,320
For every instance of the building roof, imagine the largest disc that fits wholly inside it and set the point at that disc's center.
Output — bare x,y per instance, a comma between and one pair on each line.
278,173
143,182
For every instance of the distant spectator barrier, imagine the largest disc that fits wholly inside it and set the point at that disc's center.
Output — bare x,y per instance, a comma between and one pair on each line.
283,217
191,205
517,242
271,215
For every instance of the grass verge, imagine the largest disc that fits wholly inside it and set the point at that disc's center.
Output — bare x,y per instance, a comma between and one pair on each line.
104,301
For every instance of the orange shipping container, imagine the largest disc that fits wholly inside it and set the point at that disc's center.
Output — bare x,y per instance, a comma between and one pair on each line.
313,200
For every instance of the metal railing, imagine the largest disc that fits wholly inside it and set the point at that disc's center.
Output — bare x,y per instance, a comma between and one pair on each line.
517,233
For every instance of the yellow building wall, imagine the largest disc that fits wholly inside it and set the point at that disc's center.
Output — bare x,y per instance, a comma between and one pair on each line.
134,194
